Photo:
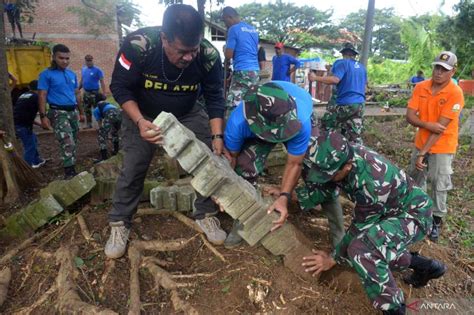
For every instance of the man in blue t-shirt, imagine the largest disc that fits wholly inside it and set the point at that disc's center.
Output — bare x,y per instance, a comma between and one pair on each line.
419,77
275,112
350,78
109,118
242,48
91,76
58,87
282,62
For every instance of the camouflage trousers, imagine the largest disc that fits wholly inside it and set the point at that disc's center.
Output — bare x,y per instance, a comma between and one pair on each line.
240,83
110,124
89,101
346,119
65,127
380,248
251,159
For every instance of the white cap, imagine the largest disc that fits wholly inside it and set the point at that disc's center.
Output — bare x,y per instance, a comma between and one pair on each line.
317,65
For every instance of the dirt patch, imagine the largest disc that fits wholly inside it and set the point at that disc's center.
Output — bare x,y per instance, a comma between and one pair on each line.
251,281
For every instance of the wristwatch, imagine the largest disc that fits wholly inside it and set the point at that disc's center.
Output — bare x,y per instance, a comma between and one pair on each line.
286,194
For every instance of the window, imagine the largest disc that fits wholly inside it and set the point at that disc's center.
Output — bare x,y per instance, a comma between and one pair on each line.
217,35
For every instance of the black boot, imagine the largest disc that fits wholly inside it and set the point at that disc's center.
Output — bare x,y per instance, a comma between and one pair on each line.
399,311
424,269
103,156
69,172
436,230
116,148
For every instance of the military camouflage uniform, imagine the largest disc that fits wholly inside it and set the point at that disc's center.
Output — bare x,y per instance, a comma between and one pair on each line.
65,126
390,213
89,100
240,83
346,119
110,124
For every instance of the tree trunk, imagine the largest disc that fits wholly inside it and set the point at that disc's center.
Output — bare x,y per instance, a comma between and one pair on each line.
369,25
6,109
201,5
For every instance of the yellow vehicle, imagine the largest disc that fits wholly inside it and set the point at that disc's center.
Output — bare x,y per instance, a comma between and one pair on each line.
26,62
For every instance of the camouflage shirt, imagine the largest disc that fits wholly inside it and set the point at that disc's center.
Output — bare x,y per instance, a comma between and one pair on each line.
143,73
379,189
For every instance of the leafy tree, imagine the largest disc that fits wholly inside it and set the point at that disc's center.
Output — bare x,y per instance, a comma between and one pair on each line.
386,40
457,34
302,27
100,15
201,4
421,40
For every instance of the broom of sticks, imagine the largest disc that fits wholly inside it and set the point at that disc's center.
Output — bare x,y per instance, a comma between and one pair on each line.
15,174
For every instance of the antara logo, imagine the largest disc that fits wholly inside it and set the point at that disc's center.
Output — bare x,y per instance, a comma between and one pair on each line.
419,306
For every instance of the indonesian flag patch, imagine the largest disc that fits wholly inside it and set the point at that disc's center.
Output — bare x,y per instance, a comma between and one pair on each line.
124,62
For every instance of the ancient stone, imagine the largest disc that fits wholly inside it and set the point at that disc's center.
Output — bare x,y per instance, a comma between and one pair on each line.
30,218
109,168
185,198
67,192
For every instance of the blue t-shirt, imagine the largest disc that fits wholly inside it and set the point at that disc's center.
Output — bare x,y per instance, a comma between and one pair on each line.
415,79
353,79
91,77
242,38
98,115
60,86
281,65
237,129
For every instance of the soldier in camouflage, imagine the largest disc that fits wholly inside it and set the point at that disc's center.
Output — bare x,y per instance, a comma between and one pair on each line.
109,119
390,214
350,77
275,112
242,47
58,87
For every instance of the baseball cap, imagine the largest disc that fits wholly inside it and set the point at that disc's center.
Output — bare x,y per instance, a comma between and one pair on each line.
279,45
271,113
318,66
348,46
328,151
446,59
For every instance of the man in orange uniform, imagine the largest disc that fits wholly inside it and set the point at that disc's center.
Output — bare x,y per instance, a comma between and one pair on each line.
434,108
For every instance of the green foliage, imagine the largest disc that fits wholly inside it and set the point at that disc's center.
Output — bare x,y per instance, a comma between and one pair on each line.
101,15
386,39
468,101
421,40
387,72
296,26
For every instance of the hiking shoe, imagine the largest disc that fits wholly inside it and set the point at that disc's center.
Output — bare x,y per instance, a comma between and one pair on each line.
38,165
233,238
436,229
424,269
211,226
117,242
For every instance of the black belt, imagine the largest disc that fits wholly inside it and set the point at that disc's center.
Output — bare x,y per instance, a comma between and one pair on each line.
69,108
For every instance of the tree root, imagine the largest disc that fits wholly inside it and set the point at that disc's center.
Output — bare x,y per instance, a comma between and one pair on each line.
84,229
12,252
69,301
5,277
163,279
109,267
135,258
39,302
187,221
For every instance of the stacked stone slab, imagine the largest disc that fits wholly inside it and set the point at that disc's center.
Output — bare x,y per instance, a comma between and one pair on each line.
175,198
213,176
105,188
67,192
35,215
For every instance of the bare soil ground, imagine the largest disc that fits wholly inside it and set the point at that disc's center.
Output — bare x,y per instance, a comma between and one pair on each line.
208,284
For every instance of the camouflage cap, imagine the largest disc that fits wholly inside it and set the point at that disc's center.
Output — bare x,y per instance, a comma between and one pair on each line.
271,112
326,154
350,47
